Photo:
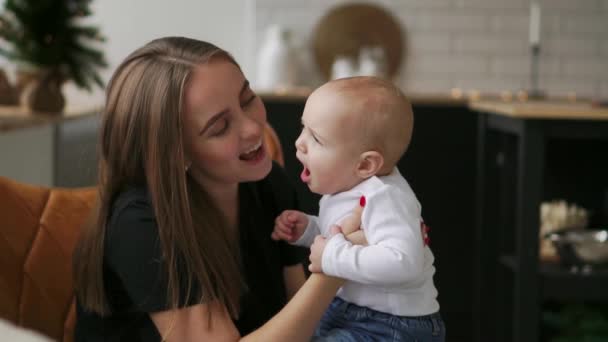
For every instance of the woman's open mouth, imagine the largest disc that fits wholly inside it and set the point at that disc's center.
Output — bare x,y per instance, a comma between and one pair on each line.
255,154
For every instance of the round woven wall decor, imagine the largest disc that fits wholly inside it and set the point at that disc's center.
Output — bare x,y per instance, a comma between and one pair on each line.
346,28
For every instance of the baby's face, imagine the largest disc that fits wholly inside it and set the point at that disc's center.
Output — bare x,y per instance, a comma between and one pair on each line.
328,147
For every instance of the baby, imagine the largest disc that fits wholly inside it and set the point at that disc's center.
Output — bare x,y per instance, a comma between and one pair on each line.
355,130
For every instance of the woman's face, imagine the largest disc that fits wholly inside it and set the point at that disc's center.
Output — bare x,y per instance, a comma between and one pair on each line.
223,126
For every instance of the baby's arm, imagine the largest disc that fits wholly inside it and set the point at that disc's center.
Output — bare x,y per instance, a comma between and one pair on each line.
395,253
295,227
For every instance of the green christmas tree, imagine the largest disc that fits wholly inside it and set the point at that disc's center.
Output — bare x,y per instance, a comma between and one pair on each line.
49,34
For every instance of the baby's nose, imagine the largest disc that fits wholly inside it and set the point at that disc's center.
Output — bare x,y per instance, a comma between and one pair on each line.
300,146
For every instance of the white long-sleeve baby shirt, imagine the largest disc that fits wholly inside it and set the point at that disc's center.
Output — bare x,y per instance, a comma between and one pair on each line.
394,273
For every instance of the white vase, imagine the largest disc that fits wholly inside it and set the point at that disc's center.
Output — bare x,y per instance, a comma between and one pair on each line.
342,67
276,65
372,61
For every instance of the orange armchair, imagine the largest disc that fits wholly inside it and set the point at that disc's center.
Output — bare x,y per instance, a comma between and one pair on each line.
39,228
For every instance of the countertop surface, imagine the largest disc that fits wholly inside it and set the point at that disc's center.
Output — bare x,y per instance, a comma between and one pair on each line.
506,103
301,94
17,117
553,109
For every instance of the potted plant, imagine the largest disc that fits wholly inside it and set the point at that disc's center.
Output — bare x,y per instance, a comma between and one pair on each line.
50,45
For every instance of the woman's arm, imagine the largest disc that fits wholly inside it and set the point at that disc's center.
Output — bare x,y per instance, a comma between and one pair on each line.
298,319
295,322
294,277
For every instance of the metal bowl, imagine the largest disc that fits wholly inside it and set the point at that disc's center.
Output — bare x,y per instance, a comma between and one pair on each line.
580,247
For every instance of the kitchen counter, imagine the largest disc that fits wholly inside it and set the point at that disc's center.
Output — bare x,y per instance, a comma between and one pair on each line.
301,94
506,103
14,118
527,153
49,149
560,110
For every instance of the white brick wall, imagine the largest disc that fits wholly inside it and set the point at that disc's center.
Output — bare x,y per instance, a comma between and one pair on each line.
604,47
472,44
604,87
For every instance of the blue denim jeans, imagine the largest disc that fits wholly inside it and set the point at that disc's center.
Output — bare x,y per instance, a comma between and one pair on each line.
345,321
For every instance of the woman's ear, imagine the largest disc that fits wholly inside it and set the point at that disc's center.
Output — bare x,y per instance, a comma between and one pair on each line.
370,163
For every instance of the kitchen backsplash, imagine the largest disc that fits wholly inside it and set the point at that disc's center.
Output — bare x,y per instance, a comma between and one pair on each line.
469,44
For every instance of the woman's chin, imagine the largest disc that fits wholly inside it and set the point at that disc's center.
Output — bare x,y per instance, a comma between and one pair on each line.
261,170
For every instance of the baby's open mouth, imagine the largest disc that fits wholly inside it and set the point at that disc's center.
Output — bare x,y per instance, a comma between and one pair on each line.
305,176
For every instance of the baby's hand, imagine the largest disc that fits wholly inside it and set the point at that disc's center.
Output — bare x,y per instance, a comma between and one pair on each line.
289,226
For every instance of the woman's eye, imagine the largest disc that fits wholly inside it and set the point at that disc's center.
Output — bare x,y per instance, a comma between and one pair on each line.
221,128
248,101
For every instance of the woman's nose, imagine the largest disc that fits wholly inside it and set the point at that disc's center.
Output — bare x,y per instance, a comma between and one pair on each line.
251,128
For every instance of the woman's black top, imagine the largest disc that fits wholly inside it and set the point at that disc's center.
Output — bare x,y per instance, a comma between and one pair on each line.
135,285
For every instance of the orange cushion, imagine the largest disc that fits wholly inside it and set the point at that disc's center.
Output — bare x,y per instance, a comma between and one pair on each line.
39,228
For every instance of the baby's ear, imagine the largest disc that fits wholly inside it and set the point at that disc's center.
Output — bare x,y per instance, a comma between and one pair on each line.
370,163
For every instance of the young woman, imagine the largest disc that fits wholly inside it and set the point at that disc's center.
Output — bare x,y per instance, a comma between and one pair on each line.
181,248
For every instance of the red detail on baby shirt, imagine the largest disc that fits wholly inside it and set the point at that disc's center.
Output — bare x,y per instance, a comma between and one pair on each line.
362,201
424,229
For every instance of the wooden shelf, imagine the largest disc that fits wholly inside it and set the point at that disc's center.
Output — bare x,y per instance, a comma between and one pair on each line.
561,283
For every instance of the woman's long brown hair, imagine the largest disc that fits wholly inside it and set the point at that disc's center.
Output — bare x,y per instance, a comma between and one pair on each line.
140,143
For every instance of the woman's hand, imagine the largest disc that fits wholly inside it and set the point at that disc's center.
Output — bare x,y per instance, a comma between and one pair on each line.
352,223
357,238
350,226
317,248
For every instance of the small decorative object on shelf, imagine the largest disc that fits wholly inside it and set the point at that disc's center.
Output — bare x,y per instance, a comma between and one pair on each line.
43,94
372,61
582,249
557,216
534,93
7,91
343,66
560,215
48,39
277,65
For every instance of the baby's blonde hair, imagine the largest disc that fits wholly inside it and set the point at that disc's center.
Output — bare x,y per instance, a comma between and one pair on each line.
385,117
